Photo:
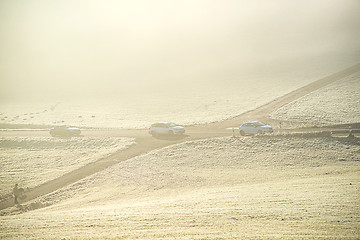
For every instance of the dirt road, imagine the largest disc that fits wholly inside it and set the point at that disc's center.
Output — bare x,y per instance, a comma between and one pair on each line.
146,143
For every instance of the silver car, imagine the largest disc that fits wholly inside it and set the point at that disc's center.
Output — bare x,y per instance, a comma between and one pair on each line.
249,128
166,128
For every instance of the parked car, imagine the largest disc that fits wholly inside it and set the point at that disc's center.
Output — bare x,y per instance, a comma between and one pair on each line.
64,131
166,128
248,128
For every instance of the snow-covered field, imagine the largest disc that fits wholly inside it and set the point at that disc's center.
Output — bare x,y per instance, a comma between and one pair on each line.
225,188
337,103
196,103
31,161
128,64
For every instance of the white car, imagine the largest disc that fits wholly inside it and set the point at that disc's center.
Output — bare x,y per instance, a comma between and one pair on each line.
166,128
255,128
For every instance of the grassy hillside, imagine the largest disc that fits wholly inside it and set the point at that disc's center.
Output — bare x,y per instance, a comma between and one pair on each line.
31,161
268,187
337,103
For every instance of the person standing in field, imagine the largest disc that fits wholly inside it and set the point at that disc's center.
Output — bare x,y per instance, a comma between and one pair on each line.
16,192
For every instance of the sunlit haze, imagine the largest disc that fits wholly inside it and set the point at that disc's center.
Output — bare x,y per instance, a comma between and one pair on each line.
66,49
179,119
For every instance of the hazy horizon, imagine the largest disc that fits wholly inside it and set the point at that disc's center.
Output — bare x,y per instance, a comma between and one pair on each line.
65,49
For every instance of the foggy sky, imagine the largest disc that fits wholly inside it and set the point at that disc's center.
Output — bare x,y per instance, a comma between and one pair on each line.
62,48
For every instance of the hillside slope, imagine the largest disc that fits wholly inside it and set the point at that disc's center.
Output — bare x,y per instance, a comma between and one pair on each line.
268,187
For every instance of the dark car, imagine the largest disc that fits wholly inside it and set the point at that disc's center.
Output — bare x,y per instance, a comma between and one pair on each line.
64,131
